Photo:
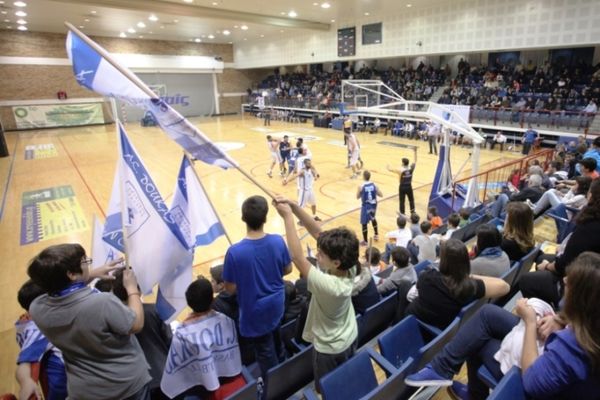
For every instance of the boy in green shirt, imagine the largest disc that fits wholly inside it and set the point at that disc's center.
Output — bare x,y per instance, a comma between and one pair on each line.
331,322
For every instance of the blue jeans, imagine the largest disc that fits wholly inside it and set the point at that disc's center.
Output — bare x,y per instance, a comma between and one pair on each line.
269,352
499,205
476,342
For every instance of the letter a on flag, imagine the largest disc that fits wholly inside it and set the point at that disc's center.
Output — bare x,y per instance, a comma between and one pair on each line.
153,241
102,252
200,226
93,70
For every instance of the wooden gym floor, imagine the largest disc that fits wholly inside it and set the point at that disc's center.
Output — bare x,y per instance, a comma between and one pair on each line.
84,159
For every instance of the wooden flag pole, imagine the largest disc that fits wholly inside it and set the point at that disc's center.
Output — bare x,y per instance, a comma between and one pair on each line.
142,86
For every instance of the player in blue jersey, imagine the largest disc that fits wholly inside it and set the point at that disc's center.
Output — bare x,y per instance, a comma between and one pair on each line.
367,193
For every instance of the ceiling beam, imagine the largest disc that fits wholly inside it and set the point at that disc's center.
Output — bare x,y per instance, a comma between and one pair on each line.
194,11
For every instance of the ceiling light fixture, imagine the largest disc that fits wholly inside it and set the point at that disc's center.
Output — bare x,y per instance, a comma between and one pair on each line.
122,34
21,14
153,18
188,1
244,27
325,5
315,4
226,32
230,42
93,11
141,24
21,22
1,1
197,40
81,26
367,14
214,3
333,20
22,28
8,27
20,4
262,35
141,36
162,27
292,14
211,36
131,30
7,20
176,21
409,5
86,20
244,38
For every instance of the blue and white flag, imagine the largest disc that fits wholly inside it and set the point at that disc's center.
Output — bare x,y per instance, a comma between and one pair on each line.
200,226
201,351
93,71
155,244
102,252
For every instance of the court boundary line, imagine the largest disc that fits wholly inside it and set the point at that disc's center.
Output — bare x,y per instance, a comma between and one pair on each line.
8,179
81,176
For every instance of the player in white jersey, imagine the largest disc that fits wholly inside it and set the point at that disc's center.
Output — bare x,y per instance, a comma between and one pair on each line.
306,175
273,145
354,150
304,146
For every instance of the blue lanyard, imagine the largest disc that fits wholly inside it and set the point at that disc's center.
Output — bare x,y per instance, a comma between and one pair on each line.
72,288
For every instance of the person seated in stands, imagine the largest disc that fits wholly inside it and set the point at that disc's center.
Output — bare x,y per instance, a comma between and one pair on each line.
442,294
591,108
490,259
364,291
565,368
424,246
593,152
533,192
227,303
453,223
331,320
409,129
294,302
574,198
403,272
434,218
154,338
373,260
517,236
215,361
415,227
399,237
547,282
94,331
465,215
555,173
376,125
35,348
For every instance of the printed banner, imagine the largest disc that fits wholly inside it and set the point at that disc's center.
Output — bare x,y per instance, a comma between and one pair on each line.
50,213
36,151
55,115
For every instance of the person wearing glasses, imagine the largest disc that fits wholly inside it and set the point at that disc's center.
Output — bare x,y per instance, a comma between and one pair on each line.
93,330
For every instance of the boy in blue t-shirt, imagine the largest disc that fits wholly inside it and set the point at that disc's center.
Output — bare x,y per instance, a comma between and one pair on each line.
254,268
35,348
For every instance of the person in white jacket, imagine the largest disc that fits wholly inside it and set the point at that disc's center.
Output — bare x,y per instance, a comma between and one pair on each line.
575,197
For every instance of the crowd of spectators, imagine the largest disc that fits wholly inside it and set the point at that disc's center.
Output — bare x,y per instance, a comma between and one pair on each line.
546,87
324,88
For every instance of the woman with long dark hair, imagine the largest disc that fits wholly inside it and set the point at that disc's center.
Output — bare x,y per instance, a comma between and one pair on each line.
569,367
441,294
546,282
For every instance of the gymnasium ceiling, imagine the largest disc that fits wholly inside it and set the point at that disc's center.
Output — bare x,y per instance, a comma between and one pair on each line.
207,21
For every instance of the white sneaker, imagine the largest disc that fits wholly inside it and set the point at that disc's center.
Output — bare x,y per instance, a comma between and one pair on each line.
529,203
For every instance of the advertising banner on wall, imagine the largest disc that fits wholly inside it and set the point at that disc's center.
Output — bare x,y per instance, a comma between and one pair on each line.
55,115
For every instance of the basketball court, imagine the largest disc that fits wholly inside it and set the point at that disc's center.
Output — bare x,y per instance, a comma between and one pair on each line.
56,181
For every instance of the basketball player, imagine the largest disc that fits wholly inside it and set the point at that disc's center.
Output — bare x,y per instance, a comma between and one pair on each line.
367,193
284,151
405,173
354,150
306,174
273,145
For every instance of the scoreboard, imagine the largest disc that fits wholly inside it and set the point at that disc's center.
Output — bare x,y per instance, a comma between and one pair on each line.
346,42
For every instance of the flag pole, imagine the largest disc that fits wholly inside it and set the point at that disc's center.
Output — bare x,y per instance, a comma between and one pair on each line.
122,194
142,86
207,197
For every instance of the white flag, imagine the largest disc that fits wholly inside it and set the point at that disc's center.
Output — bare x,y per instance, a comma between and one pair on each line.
102,252
155,244
94,72
199,224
